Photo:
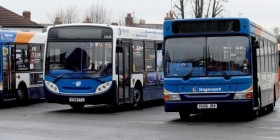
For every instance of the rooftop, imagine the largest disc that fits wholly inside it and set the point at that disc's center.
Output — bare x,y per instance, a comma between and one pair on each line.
11,19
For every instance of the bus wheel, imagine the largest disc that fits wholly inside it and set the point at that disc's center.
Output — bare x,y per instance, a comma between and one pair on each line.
77,106
253,114
21,96
137,98
271,106
184,115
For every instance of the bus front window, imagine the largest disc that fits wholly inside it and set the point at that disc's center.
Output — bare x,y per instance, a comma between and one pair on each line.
185,56
86,57
228,54
202,56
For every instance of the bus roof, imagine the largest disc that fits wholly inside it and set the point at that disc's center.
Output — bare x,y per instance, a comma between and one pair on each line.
253,28
122,31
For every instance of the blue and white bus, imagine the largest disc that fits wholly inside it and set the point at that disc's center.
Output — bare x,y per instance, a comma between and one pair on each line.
102,64
21,67
227,64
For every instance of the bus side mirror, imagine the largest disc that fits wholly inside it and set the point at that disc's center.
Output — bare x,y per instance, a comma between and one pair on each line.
159,46
256,44
119,49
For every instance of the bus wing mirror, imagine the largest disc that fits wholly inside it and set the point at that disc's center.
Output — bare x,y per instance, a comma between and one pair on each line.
159,46
119,48
256,44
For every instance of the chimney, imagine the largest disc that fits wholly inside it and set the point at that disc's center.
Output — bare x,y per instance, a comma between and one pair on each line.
169,16
129,20
26,14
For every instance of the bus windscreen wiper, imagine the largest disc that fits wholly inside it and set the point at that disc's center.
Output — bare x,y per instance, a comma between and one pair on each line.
186,77
59,76
226,76
95,78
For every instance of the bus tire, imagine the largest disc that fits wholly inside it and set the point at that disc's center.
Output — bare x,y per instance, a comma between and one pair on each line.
21,95
77,106
271,106
184,115
138,98
253,114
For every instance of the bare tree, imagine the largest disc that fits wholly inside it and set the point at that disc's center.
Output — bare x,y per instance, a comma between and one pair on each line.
276,30
179,11
217,7
71,14
121,20
200,8
68,14
97,13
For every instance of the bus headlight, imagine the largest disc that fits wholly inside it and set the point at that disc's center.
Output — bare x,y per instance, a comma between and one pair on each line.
243,95
52,87
169,96
103,87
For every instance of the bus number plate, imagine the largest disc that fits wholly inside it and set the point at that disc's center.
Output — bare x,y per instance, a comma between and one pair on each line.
76,99
207,106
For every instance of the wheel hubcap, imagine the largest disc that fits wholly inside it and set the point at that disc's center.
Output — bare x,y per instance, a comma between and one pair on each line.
137,96
20,95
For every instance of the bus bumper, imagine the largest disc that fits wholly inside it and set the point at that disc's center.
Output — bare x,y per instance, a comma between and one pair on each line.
192,106
106,98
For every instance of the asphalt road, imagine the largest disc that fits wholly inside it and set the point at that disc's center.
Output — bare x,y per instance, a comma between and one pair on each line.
44,121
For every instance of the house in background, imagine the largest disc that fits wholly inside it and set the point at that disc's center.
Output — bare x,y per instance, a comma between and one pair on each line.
14,22
129,21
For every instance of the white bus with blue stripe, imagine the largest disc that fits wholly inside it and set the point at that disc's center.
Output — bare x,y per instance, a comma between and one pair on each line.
102,64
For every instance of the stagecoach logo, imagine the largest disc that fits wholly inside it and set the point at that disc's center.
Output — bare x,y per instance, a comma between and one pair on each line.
78,83
195,89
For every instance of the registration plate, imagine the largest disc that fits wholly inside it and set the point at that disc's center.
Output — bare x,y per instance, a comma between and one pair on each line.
77,100
207,106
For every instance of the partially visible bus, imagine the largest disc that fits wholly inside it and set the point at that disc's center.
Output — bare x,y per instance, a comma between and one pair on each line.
87,64
219,64
21,67
279,61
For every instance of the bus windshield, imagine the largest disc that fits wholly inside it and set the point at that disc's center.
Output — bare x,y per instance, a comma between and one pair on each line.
79,57
206,56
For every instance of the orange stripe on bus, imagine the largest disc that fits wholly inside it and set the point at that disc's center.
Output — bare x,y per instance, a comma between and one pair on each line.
249,89
24,37
258,30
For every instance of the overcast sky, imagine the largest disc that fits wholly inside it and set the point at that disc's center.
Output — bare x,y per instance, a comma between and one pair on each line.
264,12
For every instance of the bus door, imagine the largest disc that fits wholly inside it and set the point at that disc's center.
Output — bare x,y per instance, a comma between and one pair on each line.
255,63
8,71
124,73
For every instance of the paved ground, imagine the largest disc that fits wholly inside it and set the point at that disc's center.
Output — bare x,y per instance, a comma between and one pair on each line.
43,121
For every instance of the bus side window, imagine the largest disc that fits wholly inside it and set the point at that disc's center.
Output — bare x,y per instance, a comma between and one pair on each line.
22,62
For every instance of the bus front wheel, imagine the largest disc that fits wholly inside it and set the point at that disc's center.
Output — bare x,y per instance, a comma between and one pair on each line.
138,98
271,106
253,114
21,95
184,115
